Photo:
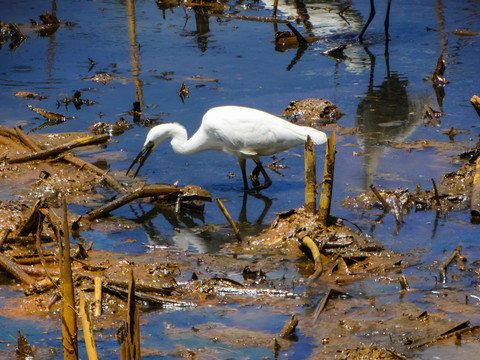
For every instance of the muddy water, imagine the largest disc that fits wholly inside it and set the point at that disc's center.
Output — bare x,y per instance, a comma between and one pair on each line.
150,52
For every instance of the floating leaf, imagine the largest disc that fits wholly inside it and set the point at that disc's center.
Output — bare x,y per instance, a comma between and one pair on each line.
48,114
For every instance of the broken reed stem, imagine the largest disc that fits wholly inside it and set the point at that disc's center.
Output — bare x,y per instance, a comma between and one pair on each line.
229,219
86,165
133,332
69,316
380,198
315,250
443,266
310,177
3,237
327,184
289,327
27,140
475,198
404,282
321,305
475,101
437,198
14,270
98,296
44,154
87,329
145,191
275,6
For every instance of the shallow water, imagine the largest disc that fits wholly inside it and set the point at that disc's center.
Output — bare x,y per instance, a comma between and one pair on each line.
383,95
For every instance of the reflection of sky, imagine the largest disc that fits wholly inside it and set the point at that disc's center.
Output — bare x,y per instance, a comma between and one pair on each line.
242,57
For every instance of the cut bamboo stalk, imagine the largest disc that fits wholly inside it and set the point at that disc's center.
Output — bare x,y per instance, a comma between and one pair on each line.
69,318
310,177
229,219
98,296
87,329
327,184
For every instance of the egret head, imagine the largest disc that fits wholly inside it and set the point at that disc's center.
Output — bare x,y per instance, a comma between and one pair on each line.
142,156
154,137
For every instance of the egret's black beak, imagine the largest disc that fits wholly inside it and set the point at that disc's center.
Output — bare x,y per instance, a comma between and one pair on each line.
141,157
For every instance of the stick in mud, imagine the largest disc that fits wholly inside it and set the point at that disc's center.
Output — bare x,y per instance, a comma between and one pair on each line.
380,198
289,327
98,295
327,184
443,266
230,221
437,198
310,177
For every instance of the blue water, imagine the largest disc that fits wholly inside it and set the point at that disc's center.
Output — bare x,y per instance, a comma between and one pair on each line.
248,70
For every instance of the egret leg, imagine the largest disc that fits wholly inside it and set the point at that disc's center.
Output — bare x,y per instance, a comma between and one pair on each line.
242,163
254,177
267,182
370,18
387,20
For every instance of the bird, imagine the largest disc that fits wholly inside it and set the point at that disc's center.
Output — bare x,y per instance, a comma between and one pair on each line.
243,132
372,15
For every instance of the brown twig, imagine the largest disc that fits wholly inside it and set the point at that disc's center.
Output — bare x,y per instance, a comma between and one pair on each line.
230,221
86,165
443,266
380,198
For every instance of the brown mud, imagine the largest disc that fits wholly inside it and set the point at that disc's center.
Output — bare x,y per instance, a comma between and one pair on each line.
37,178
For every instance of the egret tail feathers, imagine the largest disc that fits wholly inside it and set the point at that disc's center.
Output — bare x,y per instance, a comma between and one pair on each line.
318,137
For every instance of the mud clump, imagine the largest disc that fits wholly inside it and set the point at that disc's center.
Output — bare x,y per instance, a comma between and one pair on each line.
312,112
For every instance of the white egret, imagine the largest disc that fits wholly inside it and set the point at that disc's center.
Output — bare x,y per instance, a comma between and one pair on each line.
240,131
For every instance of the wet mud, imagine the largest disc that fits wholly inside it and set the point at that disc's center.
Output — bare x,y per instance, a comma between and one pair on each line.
338,292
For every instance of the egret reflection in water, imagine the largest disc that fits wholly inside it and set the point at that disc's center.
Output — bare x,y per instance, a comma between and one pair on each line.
190,230
384,113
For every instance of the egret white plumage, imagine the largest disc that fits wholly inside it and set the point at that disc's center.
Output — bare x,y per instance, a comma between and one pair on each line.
240,131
